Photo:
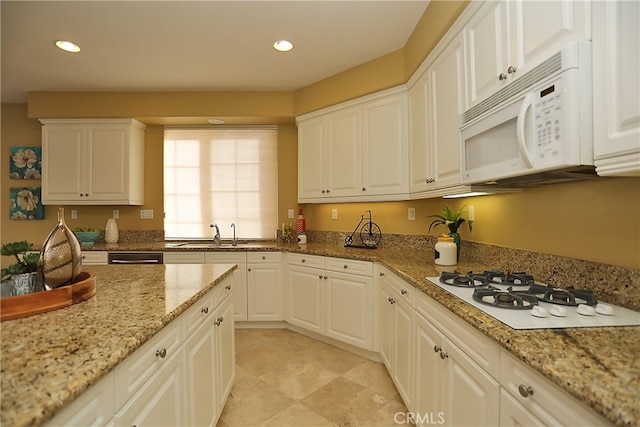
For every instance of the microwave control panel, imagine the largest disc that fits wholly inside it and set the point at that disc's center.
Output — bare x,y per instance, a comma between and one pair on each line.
548,124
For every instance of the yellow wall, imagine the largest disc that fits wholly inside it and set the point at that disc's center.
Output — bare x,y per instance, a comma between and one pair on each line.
594,220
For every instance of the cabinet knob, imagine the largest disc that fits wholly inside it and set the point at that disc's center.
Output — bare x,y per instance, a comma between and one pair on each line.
264,257
364,189
228,287
248,269
391,300
323,191
328,191
404,292
511,69
162,353
525,391
303,260
436,349
345,266
325,277
320,276
381,274
204,310
443,355
218,321
502,76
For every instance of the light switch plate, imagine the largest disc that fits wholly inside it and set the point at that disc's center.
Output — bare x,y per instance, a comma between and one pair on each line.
74,214
116,214
334,213
290,213
412,214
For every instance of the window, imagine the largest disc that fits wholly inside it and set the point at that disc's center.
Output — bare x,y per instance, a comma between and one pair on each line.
223,176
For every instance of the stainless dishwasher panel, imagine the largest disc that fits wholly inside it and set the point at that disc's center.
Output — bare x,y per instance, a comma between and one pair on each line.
136,258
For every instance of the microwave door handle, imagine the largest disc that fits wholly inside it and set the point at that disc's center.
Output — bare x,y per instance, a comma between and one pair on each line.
522,143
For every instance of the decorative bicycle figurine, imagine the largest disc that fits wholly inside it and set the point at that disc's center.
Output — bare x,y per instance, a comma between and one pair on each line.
370,233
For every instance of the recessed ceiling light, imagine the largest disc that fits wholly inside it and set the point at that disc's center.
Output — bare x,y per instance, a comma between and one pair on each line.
283,45
68,46
216,121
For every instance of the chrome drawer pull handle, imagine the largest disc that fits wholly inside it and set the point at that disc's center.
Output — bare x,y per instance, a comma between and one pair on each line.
162,353
404,292
525,391
204,310
436,349
391,300
443,355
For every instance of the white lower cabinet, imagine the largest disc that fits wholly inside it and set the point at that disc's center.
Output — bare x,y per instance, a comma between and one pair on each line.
332,297
95,257
264,286
396,331
225,352
239,278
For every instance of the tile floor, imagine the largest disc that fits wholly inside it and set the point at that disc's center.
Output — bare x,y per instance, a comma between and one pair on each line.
287,379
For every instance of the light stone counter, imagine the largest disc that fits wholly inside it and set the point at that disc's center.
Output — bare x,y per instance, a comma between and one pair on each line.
49,359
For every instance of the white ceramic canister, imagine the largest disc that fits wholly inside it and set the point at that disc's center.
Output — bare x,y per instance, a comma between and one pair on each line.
446,251
111,231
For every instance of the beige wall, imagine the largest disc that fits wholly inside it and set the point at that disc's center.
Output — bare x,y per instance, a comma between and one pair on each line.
595,220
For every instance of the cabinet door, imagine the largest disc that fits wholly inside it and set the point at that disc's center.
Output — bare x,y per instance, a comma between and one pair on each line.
160,402
385,143
387,325
446,80
183,257
264,292
540,29
472,396
311,158
63,157
344,153
225,351
429,374
616,84
305,298
107,173
420,168
512,413
348,306
403,350
201,375
487,49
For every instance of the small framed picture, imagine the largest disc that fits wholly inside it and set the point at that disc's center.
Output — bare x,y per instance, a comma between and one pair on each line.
25,203
25,163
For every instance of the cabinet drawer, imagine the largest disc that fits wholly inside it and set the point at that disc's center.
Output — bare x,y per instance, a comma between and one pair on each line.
95,257
363,268
305,260
184,257
399,287
255,257
484,352
136,369
198,313
546,401
224,289
225,257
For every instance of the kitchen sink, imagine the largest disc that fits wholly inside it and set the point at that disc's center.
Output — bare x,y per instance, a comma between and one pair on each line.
224,245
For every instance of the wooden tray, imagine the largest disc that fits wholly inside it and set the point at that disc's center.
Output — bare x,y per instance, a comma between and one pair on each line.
19,306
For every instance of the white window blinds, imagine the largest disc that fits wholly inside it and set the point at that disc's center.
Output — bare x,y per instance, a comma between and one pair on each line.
222,176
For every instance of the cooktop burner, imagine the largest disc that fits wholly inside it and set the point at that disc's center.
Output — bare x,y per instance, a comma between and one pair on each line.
512,279
569,296
509,299
468,280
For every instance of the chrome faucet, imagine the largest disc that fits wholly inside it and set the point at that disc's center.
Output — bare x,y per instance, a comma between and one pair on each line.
216,238
235,243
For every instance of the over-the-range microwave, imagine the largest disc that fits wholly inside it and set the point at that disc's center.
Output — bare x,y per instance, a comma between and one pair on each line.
536,128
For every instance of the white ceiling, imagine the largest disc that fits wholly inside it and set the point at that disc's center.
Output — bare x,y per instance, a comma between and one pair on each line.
193,45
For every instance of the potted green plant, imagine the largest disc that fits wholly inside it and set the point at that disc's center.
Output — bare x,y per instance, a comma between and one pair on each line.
452,220
23,274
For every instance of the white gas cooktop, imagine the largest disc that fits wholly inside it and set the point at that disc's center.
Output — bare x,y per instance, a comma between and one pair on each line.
525,319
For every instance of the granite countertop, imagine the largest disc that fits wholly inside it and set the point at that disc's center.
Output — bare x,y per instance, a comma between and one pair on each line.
48,360
599,366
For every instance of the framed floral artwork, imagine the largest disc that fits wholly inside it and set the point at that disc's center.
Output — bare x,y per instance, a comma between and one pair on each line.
25,203
25,163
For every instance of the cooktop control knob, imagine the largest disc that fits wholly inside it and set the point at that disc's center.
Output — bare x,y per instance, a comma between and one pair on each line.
586,310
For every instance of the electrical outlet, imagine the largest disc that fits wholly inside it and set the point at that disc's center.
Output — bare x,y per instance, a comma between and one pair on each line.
334,213
74,214
146,213
290,213
472,213
412,214
116,214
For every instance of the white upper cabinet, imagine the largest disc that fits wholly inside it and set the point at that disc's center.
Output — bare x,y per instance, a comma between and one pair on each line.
616,85
385,146
505,39
355,151
92,161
